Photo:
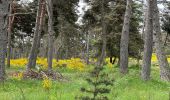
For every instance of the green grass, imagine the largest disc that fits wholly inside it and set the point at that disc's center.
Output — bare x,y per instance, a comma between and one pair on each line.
129,87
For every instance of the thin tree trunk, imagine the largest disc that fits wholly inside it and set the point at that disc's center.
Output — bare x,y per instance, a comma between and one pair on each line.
4,5
10,23
58,44
87,49
103,54
160,52
111,60
35,39
51,32
39,32
125,39
148,42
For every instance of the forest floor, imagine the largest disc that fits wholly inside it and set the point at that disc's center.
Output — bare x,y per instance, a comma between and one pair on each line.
129,87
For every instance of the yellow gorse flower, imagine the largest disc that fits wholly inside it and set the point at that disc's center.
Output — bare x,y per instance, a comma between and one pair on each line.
107,60
19,63
47,83
154,58
73,63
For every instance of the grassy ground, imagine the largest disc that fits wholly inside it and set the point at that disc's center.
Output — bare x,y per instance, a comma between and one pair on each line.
129,87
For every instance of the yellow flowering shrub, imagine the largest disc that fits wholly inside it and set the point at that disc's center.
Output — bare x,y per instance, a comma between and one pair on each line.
73,63
154,58
47,83
107,60
22,62
18,76
42,62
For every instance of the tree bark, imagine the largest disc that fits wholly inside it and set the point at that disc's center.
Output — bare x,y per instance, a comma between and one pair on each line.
87,49
160,52
39,33
125,39
103,54
148,42
166,38
111,60
31,59
4,5
49,6
10,23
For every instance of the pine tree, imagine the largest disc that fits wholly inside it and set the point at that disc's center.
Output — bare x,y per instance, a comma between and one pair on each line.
148,42
4,5
100,82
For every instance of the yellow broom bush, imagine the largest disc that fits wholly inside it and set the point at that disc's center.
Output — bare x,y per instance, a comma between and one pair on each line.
73,63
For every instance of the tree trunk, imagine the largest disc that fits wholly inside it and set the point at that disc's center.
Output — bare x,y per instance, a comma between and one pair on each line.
4,5
148,42
160,52
39,33
10,23
103,54
87,49
111,60
51,32
36,37
125,39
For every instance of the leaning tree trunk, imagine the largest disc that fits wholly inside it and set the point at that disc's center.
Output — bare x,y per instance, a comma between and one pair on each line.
51,32
103,53
4,5
36,37
125,39
148,42
160,52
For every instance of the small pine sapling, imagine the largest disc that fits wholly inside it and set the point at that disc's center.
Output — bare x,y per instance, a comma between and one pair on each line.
100,82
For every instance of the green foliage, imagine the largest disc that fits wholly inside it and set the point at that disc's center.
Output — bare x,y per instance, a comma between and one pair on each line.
135,41
100,82
113,16
23,22
166,20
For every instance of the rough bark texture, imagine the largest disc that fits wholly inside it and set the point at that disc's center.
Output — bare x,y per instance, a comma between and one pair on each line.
125,39
10,23
4,4
51,32
148,42
31,59
160,52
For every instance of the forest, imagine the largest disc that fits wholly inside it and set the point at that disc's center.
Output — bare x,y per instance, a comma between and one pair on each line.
84,50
